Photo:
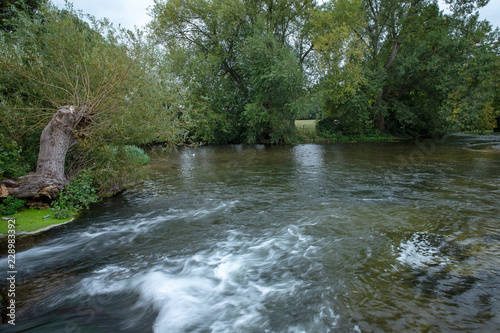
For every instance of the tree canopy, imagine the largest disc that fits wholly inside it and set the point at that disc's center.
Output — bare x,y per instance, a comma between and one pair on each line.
394,65
241,61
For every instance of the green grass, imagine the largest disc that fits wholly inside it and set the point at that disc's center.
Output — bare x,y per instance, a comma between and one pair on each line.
31,219
306,125
306,130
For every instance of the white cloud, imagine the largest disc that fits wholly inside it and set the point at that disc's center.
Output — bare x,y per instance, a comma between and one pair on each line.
128,13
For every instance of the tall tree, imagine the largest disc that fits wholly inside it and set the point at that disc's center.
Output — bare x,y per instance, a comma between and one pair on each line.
403,54
213,46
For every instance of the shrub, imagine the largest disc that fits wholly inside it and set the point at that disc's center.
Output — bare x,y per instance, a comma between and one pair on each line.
136,154
344,124
112,167
328,126
11,205
117,169
79,194
11,163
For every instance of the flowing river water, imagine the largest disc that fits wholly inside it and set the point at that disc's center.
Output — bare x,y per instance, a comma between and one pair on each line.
367,237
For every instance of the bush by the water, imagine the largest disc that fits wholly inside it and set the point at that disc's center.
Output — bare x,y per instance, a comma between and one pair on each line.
113,167
329,126
79,194
136,154
11,162
337,126
11,205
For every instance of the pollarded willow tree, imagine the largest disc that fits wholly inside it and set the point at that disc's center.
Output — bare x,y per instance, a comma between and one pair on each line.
241,61
85,87
394,65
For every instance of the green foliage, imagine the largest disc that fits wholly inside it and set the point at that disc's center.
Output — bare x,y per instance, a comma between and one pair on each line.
405,67
11,205
471,106
10,8
11,162
242,63
113,167
79,194
329,126
136,154
53,58
276,79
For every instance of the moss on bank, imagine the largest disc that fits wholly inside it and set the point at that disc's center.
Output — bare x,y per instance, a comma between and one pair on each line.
31,220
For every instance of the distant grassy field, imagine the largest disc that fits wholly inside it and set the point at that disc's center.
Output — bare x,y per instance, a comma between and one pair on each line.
306,125
307,134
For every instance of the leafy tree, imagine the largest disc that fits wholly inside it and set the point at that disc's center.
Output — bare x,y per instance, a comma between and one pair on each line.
106,86
233,57
471,105
393,65
276,78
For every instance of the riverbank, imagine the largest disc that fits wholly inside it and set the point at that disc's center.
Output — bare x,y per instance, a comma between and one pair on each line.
32,221
307,133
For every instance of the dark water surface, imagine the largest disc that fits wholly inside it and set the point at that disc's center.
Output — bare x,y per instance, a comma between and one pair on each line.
382,237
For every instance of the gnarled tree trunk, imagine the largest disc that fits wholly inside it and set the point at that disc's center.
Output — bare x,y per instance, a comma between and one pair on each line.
56,139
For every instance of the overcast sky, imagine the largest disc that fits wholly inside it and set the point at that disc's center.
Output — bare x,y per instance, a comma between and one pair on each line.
130,13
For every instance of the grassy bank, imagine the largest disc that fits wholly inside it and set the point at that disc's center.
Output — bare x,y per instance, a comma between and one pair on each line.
30,220
307,134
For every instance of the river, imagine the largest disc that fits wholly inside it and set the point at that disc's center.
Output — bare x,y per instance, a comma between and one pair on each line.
366,237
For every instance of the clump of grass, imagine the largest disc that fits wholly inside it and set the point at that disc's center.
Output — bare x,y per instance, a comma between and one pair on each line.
136,154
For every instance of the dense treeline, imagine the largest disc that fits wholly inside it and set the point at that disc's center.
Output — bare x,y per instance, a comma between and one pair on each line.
406,68
219,71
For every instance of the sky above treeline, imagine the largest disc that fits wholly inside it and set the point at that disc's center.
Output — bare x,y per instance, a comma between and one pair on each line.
130,13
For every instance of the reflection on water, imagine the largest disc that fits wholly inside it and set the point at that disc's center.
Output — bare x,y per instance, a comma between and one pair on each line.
306,238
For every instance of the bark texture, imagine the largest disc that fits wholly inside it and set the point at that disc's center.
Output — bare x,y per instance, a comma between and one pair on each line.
56,139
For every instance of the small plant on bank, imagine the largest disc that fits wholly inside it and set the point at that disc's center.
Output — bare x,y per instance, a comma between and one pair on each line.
11,205
11,162
136,154
79,194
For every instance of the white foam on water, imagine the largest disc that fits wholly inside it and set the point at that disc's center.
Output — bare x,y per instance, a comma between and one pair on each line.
141,223
99,283
420,252
243,284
